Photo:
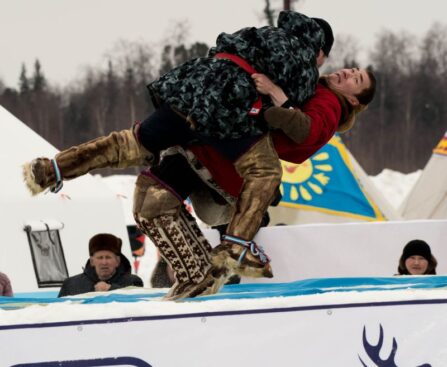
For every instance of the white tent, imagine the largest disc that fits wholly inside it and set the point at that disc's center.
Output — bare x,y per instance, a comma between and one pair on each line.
123,187
428,198
342,190
66,220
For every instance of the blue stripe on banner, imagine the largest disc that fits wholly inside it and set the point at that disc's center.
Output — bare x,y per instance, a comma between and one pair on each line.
254,291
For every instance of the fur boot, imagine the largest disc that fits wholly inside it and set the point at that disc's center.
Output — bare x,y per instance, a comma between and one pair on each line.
245,259
261,169
117,150
160,214
217,275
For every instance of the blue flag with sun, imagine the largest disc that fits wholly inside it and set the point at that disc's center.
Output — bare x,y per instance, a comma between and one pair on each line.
327,182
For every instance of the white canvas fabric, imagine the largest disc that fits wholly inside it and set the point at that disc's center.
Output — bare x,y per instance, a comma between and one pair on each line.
428,198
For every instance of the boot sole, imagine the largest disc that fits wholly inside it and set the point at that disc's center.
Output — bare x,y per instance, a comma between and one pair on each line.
209,285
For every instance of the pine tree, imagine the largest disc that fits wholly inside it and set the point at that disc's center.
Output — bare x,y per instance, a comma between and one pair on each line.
38,80
269,13
23,81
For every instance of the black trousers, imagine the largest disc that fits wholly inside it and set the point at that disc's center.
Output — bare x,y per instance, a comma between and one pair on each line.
175,171
163,129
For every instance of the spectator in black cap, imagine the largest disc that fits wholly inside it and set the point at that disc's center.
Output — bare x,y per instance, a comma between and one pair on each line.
417,259
106,269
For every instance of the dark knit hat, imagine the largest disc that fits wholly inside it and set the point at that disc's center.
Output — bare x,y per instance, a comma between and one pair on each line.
328,35
417,247
105,241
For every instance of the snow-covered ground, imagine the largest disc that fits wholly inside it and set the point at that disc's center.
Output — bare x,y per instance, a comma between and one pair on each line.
394,185
148,302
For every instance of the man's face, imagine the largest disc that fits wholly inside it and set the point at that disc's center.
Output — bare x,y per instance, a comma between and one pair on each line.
105,263
349,82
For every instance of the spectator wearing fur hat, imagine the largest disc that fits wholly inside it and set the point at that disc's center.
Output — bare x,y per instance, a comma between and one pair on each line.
106,269
417,259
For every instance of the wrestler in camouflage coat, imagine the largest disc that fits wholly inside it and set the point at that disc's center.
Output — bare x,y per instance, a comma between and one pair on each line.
214,95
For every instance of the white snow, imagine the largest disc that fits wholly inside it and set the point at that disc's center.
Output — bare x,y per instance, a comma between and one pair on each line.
70,311
394,185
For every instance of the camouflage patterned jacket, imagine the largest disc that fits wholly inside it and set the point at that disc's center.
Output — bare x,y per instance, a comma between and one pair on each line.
216,94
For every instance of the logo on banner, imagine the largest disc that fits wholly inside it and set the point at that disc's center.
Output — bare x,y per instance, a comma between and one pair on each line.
327,182
373,352
100,362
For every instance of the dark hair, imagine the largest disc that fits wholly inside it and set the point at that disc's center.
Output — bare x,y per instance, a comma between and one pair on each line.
366,95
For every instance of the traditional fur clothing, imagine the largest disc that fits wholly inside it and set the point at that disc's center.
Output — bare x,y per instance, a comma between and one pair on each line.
159,210
214,95
105,242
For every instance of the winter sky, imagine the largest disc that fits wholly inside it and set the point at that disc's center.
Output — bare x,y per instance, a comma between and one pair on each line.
67,35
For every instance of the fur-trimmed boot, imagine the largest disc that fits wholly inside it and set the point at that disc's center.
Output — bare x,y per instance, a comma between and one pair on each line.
164,231
261,169
161,215
117,150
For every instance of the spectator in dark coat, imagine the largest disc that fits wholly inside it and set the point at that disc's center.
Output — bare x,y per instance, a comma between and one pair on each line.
106,269
5,286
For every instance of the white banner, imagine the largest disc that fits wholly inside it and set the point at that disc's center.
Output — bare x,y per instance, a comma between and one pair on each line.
346,250
344,335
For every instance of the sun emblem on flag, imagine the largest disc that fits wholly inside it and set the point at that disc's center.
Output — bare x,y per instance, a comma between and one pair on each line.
306,179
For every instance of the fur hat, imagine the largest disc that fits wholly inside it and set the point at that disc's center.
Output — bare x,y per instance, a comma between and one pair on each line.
417,247
104,241
328,35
